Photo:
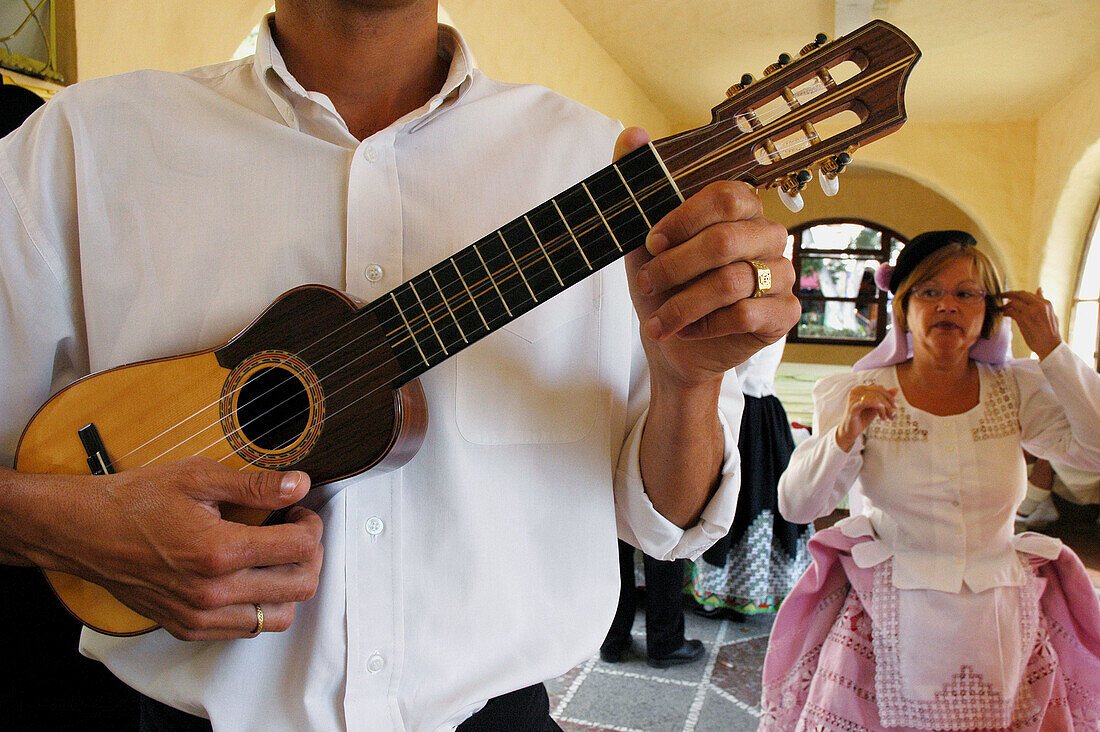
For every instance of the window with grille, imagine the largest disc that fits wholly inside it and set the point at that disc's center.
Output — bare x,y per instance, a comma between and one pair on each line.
835,261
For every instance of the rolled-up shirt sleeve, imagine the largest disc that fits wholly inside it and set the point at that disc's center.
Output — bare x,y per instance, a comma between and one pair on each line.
820,472
641,525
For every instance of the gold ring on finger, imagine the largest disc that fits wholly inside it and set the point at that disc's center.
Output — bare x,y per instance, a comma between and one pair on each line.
763,278
259,621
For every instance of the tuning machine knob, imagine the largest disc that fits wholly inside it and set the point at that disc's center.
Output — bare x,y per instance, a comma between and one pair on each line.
746,80
790,186
828,175
819,40
784,59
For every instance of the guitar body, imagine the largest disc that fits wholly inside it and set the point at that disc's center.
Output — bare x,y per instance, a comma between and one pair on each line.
279,396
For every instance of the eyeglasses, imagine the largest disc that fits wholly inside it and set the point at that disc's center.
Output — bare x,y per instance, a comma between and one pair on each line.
963,295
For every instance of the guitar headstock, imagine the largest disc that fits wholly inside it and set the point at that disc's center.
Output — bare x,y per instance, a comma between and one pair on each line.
805,112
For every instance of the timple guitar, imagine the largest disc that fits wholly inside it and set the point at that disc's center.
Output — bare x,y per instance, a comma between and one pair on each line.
322,384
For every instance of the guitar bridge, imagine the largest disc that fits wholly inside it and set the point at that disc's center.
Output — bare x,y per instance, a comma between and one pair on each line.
98,460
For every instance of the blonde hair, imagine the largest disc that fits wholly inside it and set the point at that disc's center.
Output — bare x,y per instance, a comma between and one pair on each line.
936,262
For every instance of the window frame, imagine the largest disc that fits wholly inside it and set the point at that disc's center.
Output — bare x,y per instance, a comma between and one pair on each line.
881,297
1092,240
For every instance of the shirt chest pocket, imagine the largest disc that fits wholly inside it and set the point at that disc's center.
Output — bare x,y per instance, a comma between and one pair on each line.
536,379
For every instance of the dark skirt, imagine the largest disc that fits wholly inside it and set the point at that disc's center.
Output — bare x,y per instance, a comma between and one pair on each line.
753,567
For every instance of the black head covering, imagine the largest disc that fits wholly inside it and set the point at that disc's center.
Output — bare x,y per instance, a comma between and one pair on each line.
920,246
16,104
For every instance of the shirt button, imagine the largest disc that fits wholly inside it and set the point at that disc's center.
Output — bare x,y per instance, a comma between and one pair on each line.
955,503
370,153
374,272
374,526
375,663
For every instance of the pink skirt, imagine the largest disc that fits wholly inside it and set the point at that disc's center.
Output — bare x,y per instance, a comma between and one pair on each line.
832,661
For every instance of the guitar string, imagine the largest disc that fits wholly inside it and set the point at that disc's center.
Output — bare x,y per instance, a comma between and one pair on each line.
482,287
348,406
557,243
611,212
625,205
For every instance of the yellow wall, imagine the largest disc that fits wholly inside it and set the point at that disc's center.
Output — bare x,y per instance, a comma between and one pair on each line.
987,170
1067,186
540,42
113,36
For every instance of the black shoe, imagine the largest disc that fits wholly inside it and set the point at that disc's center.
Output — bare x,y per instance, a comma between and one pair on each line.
613,651
692,650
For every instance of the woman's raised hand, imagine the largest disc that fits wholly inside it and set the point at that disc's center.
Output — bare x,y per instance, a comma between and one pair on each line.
1035,317
865,403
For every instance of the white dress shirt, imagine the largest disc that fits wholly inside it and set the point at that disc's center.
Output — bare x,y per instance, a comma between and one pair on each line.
153,214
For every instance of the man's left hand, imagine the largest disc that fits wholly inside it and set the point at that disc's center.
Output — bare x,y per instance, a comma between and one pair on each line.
692,284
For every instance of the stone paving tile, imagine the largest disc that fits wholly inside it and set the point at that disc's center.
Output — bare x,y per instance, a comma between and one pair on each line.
632,697
557,688
630,702
719,714
737,669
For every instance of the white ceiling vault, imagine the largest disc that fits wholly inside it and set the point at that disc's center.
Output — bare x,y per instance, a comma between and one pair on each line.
983,60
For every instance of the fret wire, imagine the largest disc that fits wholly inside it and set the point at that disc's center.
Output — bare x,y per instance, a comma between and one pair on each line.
518,269
470,294
571,234
627,187
664,169
490,276
448,304
539,242
598,211
430,323
411,333
645,192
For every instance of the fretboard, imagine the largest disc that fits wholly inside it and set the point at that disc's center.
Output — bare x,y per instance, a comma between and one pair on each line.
524,263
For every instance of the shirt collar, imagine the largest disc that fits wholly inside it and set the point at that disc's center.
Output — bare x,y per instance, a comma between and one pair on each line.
283,88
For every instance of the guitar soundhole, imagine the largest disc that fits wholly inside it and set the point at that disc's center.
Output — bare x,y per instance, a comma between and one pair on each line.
273,408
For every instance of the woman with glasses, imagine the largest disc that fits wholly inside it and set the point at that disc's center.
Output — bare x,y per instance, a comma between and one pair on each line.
922,610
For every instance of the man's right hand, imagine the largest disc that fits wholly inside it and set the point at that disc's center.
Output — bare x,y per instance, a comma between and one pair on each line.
155,538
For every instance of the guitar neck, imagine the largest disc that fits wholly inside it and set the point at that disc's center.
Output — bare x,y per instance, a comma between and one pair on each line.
524,263
809,112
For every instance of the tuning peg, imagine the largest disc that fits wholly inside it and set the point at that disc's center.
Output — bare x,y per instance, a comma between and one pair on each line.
784,59
819,40
746,80
789,187
830,186
794,203
834,165
831,168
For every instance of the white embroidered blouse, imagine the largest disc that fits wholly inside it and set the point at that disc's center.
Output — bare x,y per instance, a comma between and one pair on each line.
941,491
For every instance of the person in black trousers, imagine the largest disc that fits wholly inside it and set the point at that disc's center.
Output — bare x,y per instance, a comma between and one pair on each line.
664,614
